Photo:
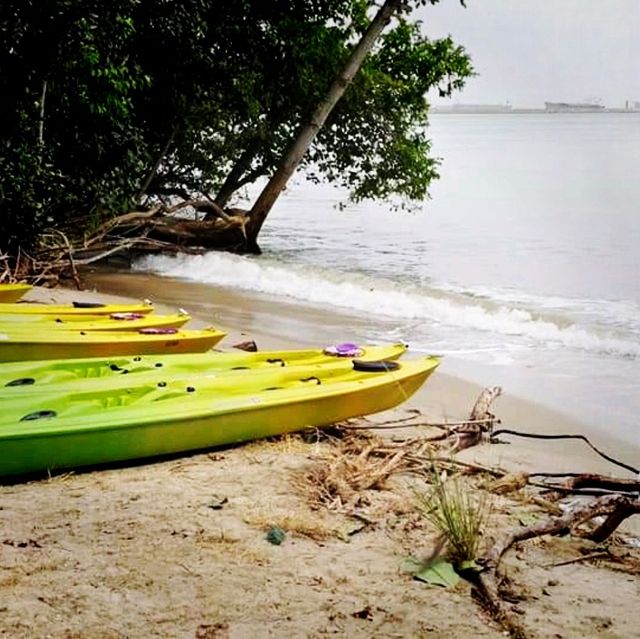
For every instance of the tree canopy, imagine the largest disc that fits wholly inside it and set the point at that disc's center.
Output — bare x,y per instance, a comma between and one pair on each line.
109,106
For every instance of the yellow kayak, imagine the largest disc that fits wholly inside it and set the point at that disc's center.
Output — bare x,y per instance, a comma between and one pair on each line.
76,310
36,344
13,292
113,322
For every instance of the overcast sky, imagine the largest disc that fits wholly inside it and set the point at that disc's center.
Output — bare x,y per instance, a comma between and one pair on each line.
531,51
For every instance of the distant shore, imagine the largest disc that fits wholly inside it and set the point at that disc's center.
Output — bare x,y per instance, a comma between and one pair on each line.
518,111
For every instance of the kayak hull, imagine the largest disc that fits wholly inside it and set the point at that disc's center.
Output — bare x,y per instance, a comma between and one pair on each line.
10,293
174,426
20,347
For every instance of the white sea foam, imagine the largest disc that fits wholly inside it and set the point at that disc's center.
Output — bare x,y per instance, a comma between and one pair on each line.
378,297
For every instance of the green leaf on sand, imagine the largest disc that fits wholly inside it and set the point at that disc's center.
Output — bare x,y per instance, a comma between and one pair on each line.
437,573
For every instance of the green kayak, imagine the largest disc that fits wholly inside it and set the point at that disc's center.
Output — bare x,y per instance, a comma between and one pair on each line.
24,377
68,430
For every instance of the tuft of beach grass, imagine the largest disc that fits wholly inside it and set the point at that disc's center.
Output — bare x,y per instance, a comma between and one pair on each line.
458,514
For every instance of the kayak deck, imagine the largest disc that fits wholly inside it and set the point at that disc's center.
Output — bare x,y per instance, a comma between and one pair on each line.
76,309
112,323
27,377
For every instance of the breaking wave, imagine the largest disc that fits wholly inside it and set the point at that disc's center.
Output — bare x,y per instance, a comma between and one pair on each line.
376,297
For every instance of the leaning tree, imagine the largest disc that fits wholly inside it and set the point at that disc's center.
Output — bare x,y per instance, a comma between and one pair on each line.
148,107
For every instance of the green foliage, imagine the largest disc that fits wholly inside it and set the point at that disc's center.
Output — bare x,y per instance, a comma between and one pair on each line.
70,144
376,143
101,100
436,572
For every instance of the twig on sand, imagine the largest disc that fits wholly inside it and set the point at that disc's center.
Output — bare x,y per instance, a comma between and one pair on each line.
592,555
505,431
404,423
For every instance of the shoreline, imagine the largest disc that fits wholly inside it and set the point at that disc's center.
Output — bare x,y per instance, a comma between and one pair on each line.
444,397
180,546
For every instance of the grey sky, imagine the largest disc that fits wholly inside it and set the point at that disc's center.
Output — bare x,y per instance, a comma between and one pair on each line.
529,51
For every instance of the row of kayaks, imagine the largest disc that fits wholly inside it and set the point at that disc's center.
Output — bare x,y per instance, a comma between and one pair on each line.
61,412
32,331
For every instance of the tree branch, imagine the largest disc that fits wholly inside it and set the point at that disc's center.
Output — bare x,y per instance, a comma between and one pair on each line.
616,507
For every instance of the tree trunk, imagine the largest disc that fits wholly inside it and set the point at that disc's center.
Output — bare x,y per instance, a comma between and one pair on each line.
296,151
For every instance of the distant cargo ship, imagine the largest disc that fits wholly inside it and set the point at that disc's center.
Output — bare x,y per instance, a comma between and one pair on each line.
572,107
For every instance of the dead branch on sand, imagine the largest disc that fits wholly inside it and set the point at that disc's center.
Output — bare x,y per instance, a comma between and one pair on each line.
615,509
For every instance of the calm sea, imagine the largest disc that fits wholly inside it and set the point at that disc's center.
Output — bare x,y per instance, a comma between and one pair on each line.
523,269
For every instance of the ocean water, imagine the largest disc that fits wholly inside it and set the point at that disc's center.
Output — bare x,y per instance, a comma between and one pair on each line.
523,268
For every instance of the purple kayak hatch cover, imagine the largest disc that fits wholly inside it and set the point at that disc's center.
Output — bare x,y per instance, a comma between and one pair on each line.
346,349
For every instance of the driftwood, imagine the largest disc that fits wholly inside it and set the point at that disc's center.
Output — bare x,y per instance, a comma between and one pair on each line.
466,433
480,422
615,509
249,346
591,480
585,483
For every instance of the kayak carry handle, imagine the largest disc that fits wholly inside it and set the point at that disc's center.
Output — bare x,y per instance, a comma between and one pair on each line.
158,331
88,305
275,360
376,366
22,381
39,414
311,379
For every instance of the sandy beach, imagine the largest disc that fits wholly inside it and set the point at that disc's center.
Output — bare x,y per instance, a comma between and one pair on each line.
177,548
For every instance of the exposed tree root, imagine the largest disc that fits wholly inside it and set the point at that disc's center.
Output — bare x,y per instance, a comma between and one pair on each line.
159,229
